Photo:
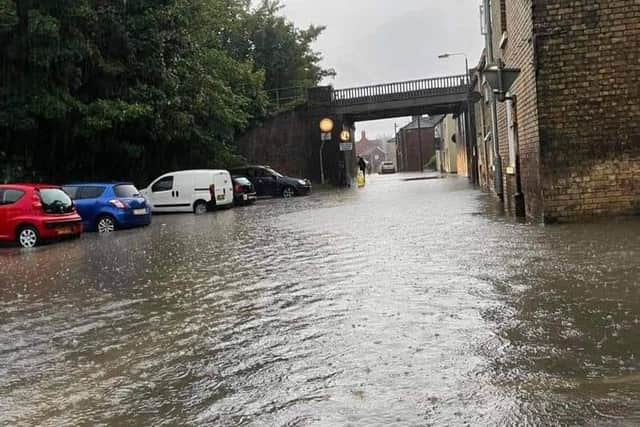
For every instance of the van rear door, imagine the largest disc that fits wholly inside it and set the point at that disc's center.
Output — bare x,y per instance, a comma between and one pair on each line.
223,188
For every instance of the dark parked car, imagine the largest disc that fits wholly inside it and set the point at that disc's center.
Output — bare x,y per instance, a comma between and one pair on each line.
244,192
271,183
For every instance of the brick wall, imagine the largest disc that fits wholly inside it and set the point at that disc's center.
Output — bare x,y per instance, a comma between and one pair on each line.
588,56
518,52
411,148
281,142
290,143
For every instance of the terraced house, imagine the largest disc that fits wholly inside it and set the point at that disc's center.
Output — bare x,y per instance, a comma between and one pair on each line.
567,136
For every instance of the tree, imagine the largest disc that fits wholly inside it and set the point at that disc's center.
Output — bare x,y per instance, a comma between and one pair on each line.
282,50
94,89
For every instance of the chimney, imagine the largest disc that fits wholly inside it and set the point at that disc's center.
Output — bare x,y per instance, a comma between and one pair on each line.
364,135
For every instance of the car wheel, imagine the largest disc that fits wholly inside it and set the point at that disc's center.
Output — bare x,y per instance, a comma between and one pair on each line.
106,224
200,207
28,237
288,192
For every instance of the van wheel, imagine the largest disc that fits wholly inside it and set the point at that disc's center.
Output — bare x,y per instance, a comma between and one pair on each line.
200,207
28,237
106,224
288,192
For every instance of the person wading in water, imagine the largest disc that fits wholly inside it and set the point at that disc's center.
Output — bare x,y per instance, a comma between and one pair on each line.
362,164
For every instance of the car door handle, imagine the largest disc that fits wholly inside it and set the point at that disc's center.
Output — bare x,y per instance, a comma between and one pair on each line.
177,194
173,194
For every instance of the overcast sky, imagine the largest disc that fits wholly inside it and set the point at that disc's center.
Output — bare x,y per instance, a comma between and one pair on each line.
382,41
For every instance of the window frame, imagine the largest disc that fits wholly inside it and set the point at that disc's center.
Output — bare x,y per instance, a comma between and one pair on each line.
47,207
3,191
164,178
136,194
82,189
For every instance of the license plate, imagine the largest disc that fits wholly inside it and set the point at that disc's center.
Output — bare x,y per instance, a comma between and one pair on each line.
139,211
244,197
65,230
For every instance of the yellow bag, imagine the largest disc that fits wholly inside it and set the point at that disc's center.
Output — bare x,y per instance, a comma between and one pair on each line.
360,179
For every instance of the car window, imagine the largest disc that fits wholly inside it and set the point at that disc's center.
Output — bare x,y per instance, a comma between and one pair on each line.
271,172
266,173
126,190
89,192
251,173
54,200
242,181
9,197
72,191
164,184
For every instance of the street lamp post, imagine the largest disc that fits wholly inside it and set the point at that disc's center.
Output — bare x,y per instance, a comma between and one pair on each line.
326,127
466,60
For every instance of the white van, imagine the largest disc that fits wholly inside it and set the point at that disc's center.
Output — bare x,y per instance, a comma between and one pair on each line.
190,191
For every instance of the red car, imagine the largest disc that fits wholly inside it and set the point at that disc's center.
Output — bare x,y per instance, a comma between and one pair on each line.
30,213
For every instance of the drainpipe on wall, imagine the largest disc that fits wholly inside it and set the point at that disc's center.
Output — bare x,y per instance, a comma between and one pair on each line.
494,106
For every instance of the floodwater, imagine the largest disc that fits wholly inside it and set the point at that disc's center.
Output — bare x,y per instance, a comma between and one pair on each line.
403,303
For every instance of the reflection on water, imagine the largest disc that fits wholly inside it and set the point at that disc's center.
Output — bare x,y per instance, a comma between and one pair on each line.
405,303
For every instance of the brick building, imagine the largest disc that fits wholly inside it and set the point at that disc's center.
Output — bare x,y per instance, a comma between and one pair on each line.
574,121
447,149
416,143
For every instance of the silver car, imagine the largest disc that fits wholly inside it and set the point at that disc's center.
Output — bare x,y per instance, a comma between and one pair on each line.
387,167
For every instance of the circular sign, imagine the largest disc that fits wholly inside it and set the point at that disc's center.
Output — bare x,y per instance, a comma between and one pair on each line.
345,136
326,125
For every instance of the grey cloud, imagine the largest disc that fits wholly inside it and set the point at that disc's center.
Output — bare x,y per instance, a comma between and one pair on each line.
379,41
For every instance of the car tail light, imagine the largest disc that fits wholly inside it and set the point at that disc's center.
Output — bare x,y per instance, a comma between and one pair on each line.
212,190
238,188
36,201
118,204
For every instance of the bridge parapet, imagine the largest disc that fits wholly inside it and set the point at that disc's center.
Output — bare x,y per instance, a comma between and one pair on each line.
401,90
328,96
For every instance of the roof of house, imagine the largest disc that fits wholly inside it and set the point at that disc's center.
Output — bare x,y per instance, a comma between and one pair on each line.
425,122
366,146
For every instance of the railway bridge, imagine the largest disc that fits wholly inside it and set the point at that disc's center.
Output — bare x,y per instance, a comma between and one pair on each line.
290,140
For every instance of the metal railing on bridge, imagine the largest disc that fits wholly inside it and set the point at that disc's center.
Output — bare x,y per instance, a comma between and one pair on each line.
291,96
401,90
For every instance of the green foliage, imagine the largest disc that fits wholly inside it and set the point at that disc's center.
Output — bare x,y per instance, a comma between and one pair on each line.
283,50
128,89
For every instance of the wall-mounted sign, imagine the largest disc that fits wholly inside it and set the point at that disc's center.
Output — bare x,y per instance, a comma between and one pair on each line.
346,146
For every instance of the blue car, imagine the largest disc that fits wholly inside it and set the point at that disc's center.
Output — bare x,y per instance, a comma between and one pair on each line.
105,207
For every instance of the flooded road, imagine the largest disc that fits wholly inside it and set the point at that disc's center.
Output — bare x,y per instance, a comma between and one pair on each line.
405,303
